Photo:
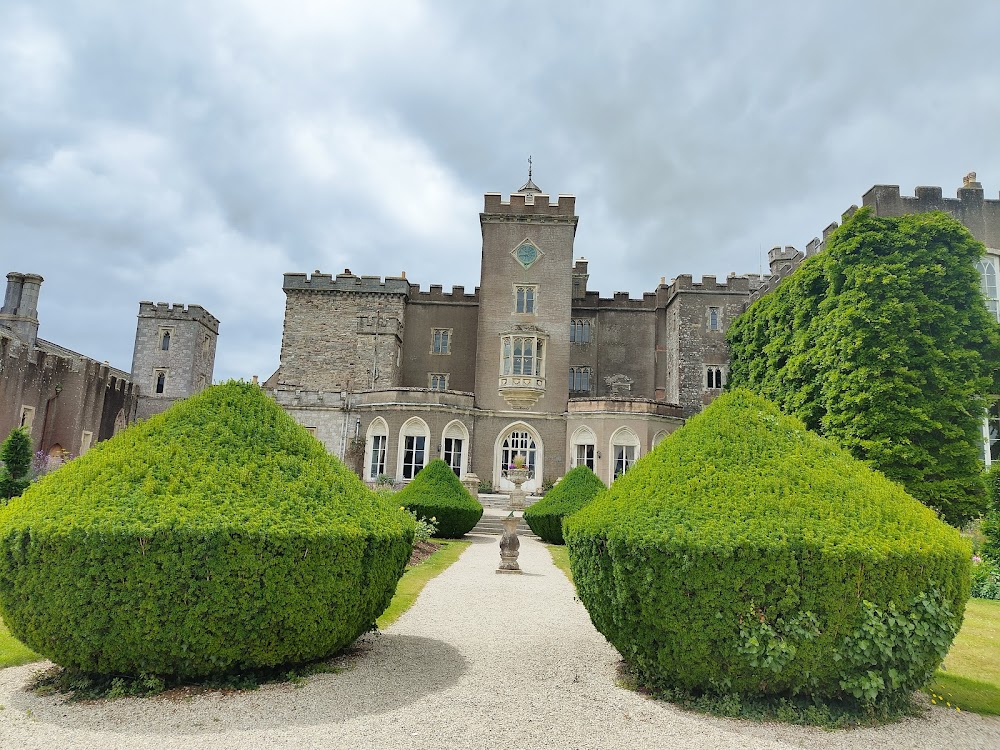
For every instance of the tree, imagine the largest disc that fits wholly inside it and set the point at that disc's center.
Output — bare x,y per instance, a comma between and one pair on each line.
884,343
15,452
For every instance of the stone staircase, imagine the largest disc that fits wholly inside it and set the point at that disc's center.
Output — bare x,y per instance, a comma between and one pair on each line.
491,522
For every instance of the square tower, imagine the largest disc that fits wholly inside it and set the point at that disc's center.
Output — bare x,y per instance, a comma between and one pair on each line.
174,354
525,301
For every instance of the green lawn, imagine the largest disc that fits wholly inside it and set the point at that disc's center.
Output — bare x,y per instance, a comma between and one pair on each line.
12,652
414,580
970,675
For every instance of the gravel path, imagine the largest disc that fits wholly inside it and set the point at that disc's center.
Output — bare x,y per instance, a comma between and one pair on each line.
481,661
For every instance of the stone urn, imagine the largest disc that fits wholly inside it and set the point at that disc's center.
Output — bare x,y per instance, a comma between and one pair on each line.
510,545
518,475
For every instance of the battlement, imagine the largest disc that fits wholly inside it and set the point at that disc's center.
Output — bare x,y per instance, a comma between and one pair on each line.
345,282
179,311
529,204
620,301
886,200
436,294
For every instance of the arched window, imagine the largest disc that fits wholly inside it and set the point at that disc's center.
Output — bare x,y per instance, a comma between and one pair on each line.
413,447
377,440
518,443
988,284
579,379
165,341
453,447
624,451
579,331
161,381
583,447
658,437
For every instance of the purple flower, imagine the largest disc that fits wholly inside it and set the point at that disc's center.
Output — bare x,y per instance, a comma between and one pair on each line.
977,559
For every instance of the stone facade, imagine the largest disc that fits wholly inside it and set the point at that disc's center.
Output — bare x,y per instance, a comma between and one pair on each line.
531,361
69,401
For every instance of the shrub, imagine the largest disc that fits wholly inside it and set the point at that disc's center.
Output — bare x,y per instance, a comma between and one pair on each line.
571,493
990,526
985,579
216,537
745,555
435,492
15,473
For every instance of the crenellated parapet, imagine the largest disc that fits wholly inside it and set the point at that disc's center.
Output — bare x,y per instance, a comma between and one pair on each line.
437,295
345,282
685,283
179,311
531,208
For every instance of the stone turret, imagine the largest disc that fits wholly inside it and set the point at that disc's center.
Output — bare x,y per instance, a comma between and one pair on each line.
20,306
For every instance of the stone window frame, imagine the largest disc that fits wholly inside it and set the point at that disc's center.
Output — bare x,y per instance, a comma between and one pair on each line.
626,449
988,283
165,338
526,301
27,418
456,456
376,448
158,388
716,323
582,374
584,438
441,339
414,442
581,331
438,381
715,377
86,441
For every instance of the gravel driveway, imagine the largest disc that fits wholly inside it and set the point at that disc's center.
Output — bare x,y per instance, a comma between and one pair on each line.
480,661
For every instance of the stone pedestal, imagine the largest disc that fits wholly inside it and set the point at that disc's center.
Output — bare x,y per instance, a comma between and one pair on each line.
510,546
471,482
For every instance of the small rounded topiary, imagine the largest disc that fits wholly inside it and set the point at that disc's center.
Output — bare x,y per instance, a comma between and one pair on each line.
218,536
435,492
747,555
570,493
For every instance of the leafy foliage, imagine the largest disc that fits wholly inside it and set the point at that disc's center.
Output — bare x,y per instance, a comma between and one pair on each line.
216,537
883,342
435,492
985,579
991,523
747,556
15,473
571,493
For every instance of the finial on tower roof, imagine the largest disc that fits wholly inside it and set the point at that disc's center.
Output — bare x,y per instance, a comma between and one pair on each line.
970,181
529,186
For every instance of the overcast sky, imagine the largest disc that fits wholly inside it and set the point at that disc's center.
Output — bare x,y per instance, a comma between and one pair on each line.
196,151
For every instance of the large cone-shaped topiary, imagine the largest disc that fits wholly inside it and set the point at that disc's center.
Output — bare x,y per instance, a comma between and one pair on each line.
571,493
217,536
435,492
746,555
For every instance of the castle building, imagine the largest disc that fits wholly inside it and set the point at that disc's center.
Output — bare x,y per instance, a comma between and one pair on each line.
68,401
532,362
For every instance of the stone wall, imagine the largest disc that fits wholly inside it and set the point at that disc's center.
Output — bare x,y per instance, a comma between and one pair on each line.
457,312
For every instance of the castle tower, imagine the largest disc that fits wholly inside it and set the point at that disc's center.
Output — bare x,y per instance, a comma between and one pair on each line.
20,305
525,301
174,354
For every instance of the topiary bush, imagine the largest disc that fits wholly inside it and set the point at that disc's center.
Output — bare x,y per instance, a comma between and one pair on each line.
435,492
745,555
571,493
216,537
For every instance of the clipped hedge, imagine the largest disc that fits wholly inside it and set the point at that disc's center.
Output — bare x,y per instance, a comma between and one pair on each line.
747,555
570,493
435,492
218,536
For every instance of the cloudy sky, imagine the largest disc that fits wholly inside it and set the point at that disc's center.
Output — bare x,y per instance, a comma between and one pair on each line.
196,151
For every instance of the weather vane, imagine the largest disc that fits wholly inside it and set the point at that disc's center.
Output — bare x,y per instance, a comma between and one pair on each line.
529,167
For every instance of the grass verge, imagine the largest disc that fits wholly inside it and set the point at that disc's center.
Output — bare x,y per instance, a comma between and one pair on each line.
415,578
970,675
560,558
13,653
